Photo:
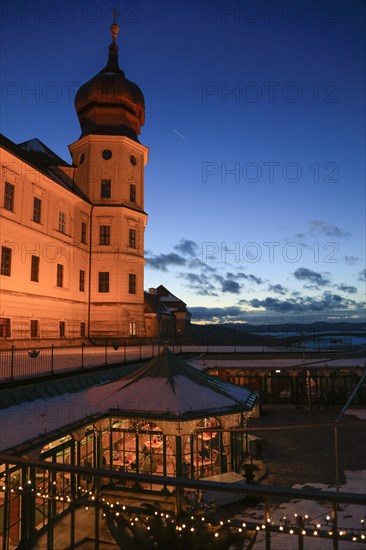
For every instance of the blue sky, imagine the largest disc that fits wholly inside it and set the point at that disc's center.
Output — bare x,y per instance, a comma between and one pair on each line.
255,122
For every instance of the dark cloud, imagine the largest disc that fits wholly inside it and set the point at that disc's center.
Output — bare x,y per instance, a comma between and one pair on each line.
227,283
328,301
231,286
163,261
304,274
362,275
198,264
187,247
279,289
311,287
351,260
327,229
200,284
241,275
255,279
216,313
346,288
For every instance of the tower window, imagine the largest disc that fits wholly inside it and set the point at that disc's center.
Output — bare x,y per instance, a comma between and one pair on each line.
82,329
81,280
132,192
9,196
132,238
37,205
34,328
105,234
35,269
103,281
62,222
83,232
133,328
61,329
132,283
5,331
6,261
105,189
107,154
60,275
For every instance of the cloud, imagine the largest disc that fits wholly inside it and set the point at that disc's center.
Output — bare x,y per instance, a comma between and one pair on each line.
327,229
362,275
228,285
304,274
328,301
351,260
255,279
279,289
346,288
200,284
241,275
163,261
187,247
223,314
198,264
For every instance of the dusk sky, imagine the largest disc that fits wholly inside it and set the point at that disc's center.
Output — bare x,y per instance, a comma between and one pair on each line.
255,124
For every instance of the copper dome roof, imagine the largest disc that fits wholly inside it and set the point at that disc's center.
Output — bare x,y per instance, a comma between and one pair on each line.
109,103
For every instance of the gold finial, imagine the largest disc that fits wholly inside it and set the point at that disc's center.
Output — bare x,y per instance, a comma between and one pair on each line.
114,27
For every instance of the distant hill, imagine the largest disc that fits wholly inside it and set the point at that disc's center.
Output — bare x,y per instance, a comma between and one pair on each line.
282,334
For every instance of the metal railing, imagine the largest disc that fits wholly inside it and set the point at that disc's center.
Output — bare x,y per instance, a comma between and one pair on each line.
22,492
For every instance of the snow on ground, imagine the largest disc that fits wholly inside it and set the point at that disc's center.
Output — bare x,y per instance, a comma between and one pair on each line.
359,413
349,517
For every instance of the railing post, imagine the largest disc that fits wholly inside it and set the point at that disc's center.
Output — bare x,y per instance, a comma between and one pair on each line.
12,363
51,358
82,354
267,524
335,526
300,524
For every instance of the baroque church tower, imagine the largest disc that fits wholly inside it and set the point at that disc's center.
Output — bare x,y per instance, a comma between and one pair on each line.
110,161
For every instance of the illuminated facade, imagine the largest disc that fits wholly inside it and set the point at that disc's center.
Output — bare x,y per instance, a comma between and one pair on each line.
72,235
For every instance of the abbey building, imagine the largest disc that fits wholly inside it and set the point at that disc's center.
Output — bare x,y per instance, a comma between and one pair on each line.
72,235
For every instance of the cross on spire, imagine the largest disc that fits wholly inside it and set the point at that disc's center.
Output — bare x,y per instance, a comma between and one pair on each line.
114,27
115,15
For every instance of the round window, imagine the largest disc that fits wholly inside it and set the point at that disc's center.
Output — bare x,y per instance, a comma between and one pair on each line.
107,154
81,158
133,160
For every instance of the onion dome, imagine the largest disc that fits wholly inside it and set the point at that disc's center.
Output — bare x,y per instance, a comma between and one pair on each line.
109,103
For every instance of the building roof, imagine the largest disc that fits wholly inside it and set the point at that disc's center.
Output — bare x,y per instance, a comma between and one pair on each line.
165,388
153,304
169,388
37,155
172,302
109,103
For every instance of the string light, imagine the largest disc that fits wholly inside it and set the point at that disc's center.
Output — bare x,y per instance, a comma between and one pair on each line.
235,525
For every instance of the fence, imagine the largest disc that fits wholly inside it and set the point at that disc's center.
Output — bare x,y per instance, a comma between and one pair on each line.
28,486
21,363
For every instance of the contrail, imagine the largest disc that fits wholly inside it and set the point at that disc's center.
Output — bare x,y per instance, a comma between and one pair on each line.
180,135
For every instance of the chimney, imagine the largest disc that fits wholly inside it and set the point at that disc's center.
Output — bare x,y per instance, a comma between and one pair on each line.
152,290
